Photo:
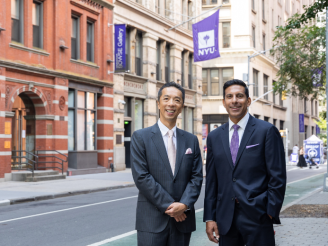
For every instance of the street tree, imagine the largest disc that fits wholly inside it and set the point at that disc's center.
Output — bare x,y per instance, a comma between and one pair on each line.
301,57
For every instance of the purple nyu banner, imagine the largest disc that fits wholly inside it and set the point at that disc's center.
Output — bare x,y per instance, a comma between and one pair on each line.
206,38
301,121
120,47
316,77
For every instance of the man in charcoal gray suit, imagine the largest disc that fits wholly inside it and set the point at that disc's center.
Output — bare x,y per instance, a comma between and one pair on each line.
167,168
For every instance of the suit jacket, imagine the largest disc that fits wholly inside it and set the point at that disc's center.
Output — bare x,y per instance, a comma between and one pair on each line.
158,187
258,179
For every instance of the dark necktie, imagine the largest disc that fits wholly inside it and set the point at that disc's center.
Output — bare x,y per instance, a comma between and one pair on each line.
234,145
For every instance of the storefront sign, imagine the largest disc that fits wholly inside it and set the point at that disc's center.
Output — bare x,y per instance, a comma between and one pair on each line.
301,122
120,33
7,128
206,42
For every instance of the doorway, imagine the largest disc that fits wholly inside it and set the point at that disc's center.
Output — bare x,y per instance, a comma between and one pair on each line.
23,129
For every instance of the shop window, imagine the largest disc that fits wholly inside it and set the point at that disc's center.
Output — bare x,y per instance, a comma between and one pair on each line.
138,54
90,41
138,114
204,84
167,63
81,120
190,71
37,22
17,20
226,32
256,83
265,86
75,38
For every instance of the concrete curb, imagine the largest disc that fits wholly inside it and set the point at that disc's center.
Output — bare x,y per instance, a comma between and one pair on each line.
4,203
301,198
63,194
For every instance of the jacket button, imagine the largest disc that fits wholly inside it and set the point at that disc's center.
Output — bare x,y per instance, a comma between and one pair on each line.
234,180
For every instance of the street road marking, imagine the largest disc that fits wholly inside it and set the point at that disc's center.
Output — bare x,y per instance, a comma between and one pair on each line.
124,235
67,209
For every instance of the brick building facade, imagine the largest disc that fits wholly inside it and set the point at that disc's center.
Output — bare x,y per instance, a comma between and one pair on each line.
55,82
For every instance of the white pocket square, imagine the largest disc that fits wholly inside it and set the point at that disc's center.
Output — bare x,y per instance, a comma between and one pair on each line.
188,151
251,146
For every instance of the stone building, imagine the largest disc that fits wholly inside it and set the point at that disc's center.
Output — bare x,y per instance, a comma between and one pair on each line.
247,27
154,56
56,92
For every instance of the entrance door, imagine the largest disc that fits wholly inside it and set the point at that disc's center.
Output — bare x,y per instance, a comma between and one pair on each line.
23,129
127,142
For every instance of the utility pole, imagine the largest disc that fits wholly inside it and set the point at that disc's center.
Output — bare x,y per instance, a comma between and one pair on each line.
325,181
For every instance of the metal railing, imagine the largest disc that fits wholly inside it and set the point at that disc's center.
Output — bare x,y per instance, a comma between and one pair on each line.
23,162
57,159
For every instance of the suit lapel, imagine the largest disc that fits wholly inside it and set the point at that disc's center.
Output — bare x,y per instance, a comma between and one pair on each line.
159,143
250,127
181,144
225,143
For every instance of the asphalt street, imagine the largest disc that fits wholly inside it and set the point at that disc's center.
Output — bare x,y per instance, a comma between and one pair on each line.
91,218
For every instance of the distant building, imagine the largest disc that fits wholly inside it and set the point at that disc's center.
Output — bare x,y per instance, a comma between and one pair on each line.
247,27
56,93
154,56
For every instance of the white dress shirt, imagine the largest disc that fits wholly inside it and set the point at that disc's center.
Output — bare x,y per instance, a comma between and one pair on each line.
164,130
242,123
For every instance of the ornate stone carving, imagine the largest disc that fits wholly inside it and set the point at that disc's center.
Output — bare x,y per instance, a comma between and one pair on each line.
62,102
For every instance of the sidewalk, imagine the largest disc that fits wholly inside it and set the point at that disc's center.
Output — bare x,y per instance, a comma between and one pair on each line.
305,222
16,192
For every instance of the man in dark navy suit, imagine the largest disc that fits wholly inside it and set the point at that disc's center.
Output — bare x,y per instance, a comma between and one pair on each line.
245,175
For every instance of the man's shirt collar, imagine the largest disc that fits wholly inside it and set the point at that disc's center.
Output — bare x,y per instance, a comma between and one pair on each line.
164,129
242,123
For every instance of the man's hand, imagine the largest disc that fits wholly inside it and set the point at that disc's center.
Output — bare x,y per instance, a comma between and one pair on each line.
211,227
176,209
180,218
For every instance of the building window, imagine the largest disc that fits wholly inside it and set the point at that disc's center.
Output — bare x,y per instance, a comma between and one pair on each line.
281,102
187,122
182,68
138,114
256,116
90,41
204,85
316,108
264,43
305,105
305,132
37,22
167,63
158,60
263,10
253,4
281,127
256,83
215,82
190,14
75,38
312,111
17,14
81,120
226,1
275,122
265,86
226,34
266,119
273,95
253,35
227,74
138,54
190,71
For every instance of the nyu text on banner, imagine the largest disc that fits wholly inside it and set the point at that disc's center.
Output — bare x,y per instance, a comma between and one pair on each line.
120,47
206,38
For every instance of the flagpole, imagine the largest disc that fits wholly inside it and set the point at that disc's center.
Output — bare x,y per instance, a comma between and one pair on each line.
194,17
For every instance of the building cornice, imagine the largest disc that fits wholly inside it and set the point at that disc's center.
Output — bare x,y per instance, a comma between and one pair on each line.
53,73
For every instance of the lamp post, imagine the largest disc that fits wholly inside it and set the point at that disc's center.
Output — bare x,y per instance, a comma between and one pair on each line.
325,181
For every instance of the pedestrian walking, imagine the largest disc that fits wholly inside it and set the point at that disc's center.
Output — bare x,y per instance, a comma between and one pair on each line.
245,175
301,161
167,170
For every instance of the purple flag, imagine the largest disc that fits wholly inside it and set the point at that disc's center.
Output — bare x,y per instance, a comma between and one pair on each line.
301,122
206,38
316,77
120,46
317,130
